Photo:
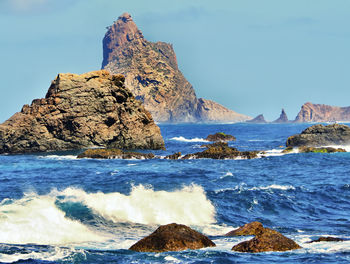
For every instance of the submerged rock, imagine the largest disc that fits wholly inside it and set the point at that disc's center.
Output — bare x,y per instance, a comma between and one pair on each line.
305,149
81,111
113,154
320,135
327,239
174,156
265,239
172,237
221,150
220,136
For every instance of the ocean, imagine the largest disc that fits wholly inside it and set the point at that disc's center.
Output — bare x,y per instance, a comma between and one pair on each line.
55,208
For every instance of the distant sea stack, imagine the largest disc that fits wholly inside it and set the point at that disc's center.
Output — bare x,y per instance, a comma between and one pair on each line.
153,76
322,113
283,118
81,111
260,119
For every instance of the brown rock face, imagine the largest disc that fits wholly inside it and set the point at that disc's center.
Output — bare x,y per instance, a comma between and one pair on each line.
172,237
153,76
113,154
322,113
81,111
250,229
265,239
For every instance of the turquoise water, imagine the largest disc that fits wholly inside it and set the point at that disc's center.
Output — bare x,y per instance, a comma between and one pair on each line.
57,209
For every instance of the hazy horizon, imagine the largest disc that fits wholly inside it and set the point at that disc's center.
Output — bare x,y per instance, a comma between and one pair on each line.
253,57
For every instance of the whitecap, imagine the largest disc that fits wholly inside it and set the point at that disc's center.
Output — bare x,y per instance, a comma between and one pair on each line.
58,157
183,139
273,186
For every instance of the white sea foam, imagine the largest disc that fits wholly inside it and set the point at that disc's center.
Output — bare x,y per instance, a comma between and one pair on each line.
36,219
321,247
143,205
183,139
274,186
59,157
53,255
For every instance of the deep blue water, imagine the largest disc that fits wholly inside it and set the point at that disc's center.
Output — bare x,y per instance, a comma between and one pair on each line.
55,208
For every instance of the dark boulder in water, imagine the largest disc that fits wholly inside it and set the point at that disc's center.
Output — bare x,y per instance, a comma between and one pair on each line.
113,154
172,237
221,150
174,156
250,229
327,239
220,137
304,149
265,239
320,135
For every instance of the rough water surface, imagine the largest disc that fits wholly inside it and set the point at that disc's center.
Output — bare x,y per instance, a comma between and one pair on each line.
55,208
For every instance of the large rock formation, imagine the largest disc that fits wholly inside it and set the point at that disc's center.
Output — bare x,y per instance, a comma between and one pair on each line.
172,237
322,113
320,135
81,111
283,118
153,76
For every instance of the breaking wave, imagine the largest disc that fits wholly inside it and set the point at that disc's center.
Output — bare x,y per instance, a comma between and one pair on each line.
183,139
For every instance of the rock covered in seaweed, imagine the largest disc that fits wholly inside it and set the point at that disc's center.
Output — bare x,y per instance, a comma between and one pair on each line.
172,237
220,136
327,239
265,239
114,154
320,135
221,150
81,111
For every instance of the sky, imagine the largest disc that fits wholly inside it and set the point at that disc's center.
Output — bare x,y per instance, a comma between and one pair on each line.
252,56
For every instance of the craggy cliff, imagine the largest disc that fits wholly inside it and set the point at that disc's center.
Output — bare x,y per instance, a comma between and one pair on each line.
81,111
322,113
153,76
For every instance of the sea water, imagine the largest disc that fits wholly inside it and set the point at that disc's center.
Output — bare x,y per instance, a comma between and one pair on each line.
55,208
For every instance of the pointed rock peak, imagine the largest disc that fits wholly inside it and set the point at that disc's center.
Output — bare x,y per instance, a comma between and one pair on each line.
283,118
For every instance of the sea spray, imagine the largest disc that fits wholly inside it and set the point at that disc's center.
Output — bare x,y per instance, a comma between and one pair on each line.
36,219
144,205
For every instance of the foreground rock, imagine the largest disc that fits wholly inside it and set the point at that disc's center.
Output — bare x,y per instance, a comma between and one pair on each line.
172,237
220,137
153,76
260,119
265,239
221,150
113,154
282,119
250,229
320,135
327,239
304,149
81,111
322,113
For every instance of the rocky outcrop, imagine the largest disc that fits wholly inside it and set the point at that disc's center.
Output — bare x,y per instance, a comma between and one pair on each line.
174,156
221,150
250,229
220,137
304,149
260,119
327,239
322,113
320,135
172,237
153,76
265,239
81,111
282,119
114,154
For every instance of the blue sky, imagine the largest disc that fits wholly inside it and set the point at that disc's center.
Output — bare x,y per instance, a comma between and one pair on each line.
252,56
